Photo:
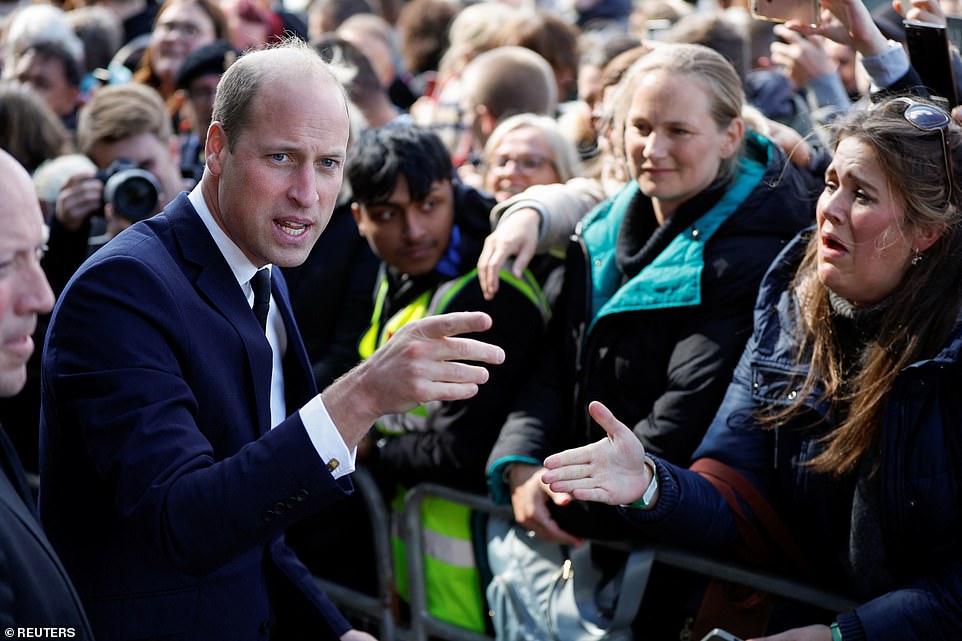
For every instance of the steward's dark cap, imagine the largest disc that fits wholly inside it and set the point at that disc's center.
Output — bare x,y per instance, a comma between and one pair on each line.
211,59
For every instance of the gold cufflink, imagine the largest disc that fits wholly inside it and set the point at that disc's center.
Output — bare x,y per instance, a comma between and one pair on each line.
333,464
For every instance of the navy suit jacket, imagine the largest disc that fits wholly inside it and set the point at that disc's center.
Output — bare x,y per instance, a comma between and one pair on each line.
164,489
34,588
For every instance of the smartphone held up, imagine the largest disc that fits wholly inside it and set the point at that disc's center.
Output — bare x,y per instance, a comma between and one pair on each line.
929,53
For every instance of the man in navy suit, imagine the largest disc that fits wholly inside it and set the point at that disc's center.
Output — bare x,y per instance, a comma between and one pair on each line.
180,437
34,589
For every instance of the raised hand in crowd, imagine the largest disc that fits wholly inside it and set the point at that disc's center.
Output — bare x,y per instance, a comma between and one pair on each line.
847,22
516,236
802,58
921,10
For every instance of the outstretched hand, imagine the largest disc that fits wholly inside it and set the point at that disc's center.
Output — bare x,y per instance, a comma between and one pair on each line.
515,237
424,361
611,470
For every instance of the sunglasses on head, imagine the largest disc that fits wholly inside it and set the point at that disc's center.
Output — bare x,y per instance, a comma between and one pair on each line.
929,118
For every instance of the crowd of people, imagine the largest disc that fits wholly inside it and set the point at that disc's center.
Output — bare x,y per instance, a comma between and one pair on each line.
646,272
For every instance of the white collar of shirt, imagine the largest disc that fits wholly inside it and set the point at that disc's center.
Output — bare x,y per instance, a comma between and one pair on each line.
243,270
324,436
241,266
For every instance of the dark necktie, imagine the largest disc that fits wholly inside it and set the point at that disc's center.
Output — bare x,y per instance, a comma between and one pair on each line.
261,284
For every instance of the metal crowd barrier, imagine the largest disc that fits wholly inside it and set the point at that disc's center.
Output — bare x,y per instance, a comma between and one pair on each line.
423,626
380,609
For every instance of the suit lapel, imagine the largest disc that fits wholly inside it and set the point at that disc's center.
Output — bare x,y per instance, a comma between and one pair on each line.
299,386
216,283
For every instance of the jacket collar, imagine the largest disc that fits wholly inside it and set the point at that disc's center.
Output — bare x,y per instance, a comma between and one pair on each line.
214,281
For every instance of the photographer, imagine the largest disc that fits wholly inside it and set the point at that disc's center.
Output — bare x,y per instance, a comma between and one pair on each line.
126,123
121,122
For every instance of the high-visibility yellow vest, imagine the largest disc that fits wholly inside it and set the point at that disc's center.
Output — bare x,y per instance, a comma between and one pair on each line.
452,580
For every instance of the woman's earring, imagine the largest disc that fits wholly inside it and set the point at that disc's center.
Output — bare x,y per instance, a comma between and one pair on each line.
917,258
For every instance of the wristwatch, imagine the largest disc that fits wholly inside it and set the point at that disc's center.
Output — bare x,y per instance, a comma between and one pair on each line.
649,495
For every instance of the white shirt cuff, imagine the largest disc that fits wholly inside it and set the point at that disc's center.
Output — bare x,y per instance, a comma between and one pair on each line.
326,439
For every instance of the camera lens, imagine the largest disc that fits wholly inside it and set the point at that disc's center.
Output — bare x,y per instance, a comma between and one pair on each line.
133,193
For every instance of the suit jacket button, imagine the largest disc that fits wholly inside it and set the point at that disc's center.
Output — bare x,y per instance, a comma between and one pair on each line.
279,508
301,495
268,516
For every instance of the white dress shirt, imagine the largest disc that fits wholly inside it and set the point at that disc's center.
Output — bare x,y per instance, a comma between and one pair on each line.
320,428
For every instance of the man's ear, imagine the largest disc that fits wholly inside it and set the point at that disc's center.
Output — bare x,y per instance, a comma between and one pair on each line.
174,148
215,147
486,120
358,219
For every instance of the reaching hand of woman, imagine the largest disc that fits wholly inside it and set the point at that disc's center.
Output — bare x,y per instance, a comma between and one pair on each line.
611,470
515,237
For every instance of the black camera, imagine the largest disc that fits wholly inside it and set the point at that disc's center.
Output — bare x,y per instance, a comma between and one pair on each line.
132,191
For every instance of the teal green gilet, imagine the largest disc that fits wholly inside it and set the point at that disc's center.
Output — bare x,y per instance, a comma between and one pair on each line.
673,278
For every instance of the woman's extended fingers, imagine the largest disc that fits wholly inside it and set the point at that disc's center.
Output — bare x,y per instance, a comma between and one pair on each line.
611,470
493,256
850,22
516,236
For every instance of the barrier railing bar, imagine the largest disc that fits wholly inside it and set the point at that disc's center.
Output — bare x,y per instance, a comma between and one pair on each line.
423,624
380,608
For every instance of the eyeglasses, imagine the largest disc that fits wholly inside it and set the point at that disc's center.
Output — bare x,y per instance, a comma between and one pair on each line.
523,164
185,29
929,118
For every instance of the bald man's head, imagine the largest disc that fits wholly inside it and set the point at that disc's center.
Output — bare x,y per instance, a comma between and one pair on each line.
509,80
24,292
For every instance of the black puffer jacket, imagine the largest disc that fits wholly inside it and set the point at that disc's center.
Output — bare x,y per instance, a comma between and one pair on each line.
652,319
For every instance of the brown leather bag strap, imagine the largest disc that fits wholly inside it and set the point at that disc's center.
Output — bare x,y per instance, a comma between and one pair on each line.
738,492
